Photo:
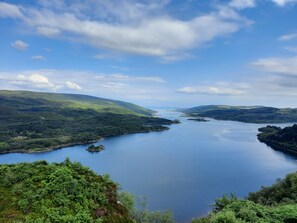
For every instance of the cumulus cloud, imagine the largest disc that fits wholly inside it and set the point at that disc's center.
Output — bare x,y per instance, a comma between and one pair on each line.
283,2
288,37
242,4
20,45
117,86
287,66
138,30
34,80
72,86
10,10
38,57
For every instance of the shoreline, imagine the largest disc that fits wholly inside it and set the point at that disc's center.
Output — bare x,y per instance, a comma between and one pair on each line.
62,146
50,148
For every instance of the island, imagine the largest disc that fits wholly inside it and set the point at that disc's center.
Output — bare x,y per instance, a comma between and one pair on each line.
198,119
95,149
282,139
33,122
247,114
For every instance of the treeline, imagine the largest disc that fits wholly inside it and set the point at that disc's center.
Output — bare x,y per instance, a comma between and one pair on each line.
275,204
34,124
245,114
280,139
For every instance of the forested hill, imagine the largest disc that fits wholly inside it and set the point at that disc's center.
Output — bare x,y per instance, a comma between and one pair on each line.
280,139
24,98
34,122
248,114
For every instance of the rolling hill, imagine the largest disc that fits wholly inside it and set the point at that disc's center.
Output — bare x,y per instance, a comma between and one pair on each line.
34,121
248,114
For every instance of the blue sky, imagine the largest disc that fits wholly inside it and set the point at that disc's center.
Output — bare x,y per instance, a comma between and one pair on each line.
153,53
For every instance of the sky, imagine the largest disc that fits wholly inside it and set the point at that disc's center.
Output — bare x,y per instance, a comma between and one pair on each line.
164,53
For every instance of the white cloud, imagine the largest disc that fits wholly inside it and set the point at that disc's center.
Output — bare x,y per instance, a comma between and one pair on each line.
34,80
126,78
216,89
72,86
20,45
139,30
286,66
288,37
38,57
117,86
9,10
242,4
283,2
47,31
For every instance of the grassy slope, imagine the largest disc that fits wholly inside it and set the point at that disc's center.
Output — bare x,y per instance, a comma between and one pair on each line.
80,102
58,192
31,122
249,114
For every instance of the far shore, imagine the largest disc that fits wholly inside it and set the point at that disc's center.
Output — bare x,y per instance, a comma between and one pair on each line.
62,146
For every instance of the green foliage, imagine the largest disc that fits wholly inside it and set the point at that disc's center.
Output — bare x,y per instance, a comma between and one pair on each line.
32,122
221,203
65,192
138,210
275,204
249,114
280,139
92,148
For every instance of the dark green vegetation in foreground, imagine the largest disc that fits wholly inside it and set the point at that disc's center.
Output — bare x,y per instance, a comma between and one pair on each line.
93,148
275,204
33,122
248,114
280,139
67,192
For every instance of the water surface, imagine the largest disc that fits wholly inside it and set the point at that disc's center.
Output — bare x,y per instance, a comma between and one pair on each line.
185,168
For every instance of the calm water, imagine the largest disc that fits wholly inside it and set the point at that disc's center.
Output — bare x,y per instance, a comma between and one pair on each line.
185,168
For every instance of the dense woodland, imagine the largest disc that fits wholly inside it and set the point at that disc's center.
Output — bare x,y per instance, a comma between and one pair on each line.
280,139
248,114
67,192
275,204
32,122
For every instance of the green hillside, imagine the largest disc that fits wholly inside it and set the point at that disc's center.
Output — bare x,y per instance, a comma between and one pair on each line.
76,101
280,139
33,122
58,192
275,204
248,114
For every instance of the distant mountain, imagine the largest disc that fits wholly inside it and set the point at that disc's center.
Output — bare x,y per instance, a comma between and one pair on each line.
249,114
34,122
